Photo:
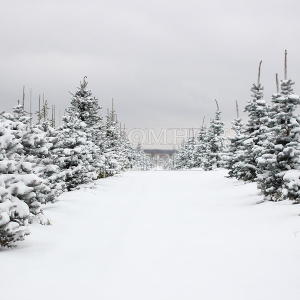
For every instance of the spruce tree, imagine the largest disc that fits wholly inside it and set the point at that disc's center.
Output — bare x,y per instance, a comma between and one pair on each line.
200,147
255,127
86,108
74,153
14,212
26,164
282,151
180,157
236,148
185,157
14,215
112,146
42,151
127,153
215,142
141,161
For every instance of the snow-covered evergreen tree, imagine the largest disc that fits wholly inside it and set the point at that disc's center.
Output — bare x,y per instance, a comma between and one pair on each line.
43,151
282,151
254,129
141,161
74,153
19,125
190,148
14,215
127,153
236,149
86,108
185,157
215,142
180,157
112,145
200,147
14,212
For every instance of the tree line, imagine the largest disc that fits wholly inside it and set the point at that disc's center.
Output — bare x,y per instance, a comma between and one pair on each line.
264,149
38,162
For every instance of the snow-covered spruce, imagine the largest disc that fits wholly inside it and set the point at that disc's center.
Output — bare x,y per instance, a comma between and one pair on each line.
112,145
74,153
14,160
214,152
14,214
86,108
291,185
185,157
236,148
201,147
128,159
281,154
252,135
142,161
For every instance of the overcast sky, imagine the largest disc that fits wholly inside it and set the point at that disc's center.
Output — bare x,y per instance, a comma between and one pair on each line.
164,61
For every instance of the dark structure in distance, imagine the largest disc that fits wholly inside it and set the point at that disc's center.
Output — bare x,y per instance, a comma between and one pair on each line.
161,157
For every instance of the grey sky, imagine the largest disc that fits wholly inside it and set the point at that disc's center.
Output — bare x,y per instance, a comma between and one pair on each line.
163,61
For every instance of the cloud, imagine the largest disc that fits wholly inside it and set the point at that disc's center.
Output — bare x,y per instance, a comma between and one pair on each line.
164,62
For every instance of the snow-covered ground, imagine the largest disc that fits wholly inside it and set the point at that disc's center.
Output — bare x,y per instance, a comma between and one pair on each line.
159,235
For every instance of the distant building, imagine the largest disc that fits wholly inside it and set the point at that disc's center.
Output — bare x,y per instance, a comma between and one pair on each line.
160,157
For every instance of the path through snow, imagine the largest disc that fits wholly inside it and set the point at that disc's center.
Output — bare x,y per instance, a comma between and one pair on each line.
159,236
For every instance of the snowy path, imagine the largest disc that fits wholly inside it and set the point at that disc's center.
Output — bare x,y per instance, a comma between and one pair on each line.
159,236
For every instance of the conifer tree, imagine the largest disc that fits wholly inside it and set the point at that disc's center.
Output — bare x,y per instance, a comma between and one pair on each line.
26,165
236,146
112,145
180,159
86,107
215,142
74,153
255,127
127,153
191,149
141,161
14,212
39,143
185,157
200,147
14,215
282,151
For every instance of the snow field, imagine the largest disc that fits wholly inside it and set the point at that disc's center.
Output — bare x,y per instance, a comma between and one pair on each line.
159,235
